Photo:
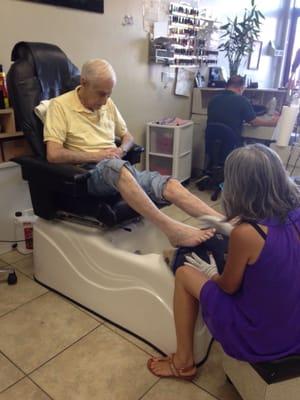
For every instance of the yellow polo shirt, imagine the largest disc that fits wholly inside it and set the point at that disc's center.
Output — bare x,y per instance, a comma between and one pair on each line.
68,122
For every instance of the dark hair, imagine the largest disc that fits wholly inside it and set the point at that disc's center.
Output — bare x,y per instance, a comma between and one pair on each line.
236,81
257,186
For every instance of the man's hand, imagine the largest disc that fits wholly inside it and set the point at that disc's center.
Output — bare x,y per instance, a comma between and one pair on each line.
261,121
275,118
112,152
209,269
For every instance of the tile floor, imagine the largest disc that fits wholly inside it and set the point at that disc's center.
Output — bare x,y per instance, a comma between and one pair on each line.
53,349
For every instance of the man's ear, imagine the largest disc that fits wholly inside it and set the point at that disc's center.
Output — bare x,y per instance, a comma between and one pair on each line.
83,81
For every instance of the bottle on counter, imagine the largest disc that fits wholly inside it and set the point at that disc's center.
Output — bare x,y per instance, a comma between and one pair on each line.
3,90
272,106
295,101
2,104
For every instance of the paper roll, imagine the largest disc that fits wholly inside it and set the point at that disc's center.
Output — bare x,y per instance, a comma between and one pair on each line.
285,125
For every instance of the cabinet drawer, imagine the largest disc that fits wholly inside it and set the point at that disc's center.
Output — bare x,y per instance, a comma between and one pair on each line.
160,164
161,140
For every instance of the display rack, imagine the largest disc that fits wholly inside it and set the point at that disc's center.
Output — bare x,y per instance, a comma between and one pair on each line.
169,149
188,28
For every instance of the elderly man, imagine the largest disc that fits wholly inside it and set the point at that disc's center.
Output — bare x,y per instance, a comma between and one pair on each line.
81,126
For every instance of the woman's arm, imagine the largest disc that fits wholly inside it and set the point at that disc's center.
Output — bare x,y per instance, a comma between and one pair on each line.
245,245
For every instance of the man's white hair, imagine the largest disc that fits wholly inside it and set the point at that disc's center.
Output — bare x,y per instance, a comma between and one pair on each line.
98,70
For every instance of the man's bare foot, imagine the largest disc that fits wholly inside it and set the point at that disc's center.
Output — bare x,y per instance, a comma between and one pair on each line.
180,235
172,367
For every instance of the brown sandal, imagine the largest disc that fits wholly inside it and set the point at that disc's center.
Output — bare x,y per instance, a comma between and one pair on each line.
179,373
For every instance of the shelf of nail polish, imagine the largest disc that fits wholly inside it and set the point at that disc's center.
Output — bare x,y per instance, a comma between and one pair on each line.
185,26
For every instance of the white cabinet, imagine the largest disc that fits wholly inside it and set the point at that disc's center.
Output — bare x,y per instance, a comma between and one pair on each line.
169,149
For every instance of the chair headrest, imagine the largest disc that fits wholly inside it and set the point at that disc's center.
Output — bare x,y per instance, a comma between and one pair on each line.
51,66
40,71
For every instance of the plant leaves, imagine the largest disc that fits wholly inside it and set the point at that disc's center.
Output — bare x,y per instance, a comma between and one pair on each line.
261,14
240,35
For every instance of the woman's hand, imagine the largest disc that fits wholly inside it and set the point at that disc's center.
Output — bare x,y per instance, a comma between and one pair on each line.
210,221
209,269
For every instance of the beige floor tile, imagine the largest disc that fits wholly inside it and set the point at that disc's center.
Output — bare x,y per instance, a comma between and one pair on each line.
218,207
12,296
133,339
205,195
34,333
9,373
24,390
192,221
100,366
2,263
12,256
92,315
211,376
25,265
175,212
171,389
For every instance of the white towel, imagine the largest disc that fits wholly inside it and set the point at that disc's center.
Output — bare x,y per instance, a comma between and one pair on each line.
41,110
211,221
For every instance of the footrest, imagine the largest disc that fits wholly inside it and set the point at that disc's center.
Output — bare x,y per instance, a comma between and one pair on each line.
279,370
276,380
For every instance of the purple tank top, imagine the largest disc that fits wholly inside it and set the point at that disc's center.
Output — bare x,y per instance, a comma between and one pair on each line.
261,321
270,295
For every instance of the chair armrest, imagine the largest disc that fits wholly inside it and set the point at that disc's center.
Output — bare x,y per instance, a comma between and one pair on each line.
38,168
134,154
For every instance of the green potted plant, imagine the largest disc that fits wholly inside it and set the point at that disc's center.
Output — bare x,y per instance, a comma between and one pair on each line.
239,36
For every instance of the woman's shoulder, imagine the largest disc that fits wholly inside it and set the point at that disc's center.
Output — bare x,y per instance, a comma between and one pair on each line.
245,231
242,228
245,238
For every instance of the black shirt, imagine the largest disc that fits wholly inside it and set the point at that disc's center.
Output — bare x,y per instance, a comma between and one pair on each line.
230,109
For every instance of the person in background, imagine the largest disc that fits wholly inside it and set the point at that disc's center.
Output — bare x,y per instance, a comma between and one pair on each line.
80,127
253,307
233,109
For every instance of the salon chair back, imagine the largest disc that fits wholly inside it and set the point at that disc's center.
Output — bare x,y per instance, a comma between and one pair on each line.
41,71
220,140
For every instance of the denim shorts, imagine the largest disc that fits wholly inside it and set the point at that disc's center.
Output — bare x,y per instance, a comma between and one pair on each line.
105,175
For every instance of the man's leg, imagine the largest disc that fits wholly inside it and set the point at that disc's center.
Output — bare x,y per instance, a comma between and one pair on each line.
188,284
178,233
175,193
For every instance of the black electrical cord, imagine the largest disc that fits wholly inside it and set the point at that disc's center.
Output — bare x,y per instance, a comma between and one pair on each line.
12,241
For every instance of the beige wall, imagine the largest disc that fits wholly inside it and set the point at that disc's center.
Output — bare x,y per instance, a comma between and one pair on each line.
139,93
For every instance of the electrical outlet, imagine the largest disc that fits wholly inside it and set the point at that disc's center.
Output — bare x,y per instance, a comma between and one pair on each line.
164,77
127,20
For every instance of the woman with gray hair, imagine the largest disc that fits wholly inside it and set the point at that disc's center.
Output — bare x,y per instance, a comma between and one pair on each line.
253,307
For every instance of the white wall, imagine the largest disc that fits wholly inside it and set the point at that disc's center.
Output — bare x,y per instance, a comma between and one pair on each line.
139,93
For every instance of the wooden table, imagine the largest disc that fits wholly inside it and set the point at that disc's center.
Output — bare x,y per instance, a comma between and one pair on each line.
6,137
